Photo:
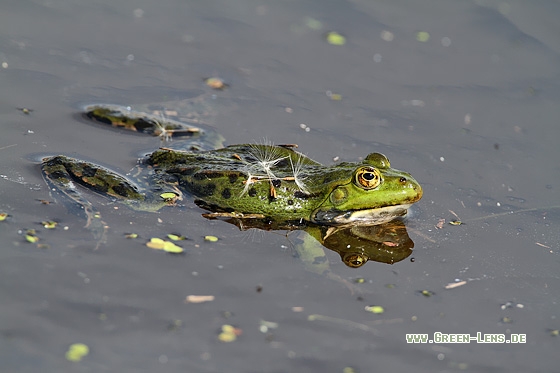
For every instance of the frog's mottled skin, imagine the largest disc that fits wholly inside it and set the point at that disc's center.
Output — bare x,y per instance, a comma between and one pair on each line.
265,181
233,179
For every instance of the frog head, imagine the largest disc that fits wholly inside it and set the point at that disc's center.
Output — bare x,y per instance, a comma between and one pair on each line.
370,192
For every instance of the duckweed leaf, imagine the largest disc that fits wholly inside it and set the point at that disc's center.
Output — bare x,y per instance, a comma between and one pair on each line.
170,247
156,243
229,333
49,224
422,36
426,293
313,24
211,238
77,352
31,238
168,196
176,237
375,309
167,246
334,38
3,216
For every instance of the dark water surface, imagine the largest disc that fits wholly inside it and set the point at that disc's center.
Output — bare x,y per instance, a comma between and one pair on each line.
472,113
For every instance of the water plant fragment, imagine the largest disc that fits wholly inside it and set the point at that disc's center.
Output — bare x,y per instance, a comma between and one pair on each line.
229,333
76,352
375,309
334,38
199,298
167,246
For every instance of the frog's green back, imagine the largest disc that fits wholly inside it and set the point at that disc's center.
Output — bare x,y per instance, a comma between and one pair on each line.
251,179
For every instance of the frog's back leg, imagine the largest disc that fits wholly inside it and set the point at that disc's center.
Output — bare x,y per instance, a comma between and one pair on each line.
186,136
60,172
63,173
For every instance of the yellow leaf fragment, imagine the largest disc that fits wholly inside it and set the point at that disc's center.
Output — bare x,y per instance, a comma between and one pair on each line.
229,333
156,243
49,224
31,238
334,38
170,247
76,352
168,196
375,309
211,238
422,36
3,216
426,293
167,246
176,237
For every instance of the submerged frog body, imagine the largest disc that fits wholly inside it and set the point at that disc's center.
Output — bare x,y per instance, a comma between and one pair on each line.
268,182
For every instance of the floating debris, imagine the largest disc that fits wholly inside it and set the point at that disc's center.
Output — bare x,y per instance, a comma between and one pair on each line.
374,309
25,110
453,285
313,24
265,326
31,237
229,333
167,246
334,38
216,83
211,238
3,216
199,298
176,237
131,235
426,293
77,352
334,96
169,197
422,36
49,224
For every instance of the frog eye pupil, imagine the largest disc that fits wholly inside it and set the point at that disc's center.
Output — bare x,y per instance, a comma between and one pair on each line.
368,178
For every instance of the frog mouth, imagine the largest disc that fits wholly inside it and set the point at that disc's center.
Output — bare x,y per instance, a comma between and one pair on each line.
375,216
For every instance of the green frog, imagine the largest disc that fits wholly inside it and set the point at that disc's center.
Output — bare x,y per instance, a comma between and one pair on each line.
272,184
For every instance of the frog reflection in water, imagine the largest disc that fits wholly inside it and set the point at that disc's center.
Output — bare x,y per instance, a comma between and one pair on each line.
263,186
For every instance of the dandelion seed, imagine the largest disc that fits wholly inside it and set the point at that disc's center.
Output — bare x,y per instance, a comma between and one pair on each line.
296,171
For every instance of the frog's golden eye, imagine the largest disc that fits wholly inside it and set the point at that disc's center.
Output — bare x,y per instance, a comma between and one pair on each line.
368,178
